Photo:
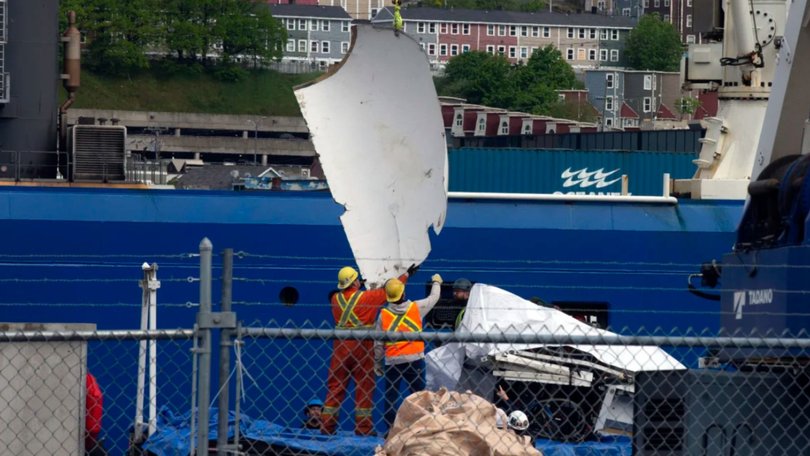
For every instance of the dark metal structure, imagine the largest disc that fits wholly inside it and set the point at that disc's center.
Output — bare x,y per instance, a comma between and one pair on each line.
29,105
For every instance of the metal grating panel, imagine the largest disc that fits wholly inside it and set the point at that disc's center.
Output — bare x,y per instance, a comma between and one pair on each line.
98,152
3,21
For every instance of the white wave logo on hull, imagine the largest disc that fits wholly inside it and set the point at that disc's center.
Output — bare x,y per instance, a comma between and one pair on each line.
584,178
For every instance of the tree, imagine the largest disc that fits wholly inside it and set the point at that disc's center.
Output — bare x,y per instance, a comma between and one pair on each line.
687,106
476,76
249,30
653,45
118,32
480,77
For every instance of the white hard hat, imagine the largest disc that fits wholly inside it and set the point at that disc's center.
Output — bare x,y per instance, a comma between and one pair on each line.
518,421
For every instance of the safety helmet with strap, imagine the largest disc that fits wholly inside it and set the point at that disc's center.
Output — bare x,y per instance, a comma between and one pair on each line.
346,276
394,289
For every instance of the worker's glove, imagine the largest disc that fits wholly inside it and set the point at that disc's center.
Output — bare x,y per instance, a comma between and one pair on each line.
378,370
437,278
412,269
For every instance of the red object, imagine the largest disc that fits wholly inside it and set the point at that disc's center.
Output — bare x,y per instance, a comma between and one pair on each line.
354,359
94,409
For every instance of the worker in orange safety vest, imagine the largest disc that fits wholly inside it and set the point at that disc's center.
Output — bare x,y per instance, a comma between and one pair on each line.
353,309
404,360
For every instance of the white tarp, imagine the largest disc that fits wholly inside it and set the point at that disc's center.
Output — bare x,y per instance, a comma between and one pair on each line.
376,124
493,310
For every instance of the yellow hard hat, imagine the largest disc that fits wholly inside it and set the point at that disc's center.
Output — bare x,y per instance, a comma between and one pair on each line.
394,289
346,276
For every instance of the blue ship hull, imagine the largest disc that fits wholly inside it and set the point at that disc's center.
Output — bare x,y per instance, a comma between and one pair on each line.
74,255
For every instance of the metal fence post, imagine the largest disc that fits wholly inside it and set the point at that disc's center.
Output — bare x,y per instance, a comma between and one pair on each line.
224,354
204,353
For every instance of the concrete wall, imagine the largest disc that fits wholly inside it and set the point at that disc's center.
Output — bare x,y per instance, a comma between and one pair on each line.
42,393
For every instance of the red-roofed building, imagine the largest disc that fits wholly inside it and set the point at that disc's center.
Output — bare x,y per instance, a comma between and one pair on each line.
628,117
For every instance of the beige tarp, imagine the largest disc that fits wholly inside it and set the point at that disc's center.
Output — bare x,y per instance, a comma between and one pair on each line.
452,424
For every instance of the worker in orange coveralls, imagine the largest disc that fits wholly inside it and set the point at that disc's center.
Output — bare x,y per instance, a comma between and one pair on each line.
353,309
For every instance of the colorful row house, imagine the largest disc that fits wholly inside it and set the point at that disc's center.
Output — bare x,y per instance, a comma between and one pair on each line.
585,40
319,35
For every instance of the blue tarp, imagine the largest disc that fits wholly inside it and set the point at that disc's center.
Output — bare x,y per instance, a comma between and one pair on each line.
173,434
312,441
605,446
172,438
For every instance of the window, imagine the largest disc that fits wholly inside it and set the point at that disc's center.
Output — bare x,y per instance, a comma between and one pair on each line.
491,49
614,55
290,45
302,24
324,47
626,12
512,30
647,104
608,121
454,49
344,47
442,49
591,54
465,29
603,55
454,29
561,97
657,3
302,45
592,34
373,12
502,50
600,5
459,120
482,124
465,48
609,80
603,34
571,32
688,21
690,39
524,52
569,54
504,128
290,24
325,26
689,3
546,32
501,30
614,35
313,26
609,103
666,18
443,28
313,46
583,33
432,49
345,25
524,31
432,28
512,52
490,30
666,3
420,27
646,4
536,32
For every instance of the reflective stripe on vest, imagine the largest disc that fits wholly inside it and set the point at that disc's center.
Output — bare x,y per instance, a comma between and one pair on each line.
348,319
410,321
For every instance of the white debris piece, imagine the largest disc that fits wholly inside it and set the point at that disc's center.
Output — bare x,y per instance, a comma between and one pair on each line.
376,124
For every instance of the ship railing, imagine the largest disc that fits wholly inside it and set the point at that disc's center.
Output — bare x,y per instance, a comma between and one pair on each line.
49,166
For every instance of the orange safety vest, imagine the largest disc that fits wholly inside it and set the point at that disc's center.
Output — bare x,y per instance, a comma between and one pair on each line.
410,321
348,319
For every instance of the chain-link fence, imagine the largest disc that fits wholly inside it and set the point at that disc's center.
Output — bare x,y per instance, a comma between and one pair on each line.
67,388
508,376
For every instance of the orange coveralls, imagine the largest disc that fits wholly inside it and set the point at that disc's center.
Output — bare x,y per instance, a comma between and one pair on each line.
353,309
